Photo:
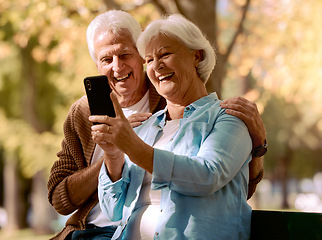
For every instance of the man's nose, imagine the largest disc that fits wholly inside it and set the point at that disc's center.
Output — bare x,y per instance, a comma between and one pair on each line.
117,64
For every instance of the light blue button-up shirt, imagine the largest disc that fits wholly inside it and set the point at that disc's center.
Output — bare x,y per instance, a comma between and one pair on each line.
202,174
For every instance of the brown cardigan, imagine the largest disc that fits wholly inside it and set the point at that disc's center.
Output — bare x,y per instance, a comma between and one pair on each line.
76,154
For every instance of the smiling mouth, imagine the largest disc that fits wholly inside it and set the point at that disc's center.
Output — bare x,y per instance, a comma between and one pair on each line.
165,77
123,78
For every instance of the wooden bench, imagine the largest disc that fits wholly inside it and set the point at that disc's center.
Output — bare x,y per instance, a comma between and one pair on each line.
283,225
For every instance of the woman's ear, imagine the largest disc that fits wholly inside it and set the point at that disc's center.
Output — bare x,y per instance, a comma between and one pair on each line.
198,56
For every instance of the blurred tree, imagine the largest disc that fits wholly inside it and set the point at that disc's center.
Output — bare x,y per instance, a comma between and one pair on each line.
281,49
39,63
273,47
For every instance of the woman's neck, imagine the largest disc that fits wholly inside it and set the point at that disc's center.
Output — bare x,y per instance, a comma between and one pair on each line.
176,108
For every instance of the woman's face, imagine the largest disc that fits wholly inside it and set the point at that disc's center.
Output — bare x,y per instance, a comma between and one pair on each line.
171,67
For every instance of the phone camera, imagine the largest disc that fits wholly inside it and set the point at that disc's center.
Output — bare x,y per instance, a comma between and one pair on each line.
88,84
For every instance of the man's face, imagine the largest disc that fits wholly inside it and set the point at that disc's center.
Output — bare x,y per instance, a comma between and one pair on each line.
119,60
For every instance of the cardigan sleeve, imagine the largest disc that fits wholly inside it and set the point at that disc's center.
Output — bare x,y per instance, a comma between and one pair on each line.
71,159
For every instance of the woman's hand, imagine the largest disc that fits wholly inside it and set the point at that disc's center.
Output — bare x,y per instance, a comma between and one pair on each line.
119,132
112,135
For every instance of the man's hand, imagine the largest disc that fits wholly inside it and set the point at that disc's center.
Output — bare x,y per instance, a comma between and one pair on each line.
247,111
136,119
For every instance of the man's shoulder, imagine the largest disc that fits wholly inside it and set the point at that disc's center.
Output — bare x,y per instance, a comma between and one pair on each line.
81,106
78,113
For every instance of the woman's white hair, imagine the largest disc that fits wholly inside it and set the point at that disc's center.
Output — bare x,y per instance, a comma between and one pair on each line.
114,21
181,28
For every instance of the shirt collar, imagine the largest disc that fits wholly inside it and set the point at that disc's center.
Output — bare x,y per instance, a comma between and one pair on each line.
212,97
202,101
199,103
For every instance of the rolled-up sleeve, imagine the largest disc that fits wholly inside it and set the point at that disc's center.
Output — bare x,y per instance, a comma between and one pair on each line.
112,194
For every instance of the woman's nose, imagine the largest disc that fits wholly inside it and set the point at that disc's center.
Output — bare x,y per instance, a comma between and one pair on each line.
157,65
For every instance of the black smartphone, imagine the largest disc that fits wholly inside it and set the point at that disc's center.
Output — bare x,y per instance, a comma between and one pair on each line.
98,95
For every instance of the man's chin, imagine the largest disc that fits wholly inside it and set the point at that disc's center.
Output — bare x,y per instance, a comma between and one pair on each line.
122,91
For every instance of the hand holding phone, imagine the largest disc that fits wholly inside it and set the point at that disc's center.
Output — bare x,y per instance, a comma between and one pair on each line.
98,95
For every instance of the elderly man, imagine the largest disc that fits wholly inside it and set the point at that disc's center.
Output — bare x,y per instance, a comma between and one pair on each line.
72,186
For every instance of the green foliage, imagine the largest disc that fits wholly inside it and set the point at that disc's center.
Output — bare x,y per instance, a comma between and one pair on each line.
281,49
288,129
41,72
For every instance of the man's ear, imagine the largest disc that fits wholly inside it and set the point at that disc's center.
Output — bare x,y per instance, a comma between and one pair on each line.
198,56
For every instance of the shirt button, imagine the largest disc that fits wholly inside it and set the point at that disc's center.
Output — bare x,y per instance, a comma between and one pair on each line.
171,139
188,108
156,234
161,210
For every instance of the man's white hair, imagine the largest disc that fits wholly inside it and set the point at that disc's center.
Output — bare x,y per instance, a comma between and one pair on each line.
114,21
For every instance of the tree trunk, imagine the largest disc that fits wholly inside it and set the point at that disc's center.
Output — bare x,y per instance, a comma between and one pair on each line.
42,211
14,199
283,176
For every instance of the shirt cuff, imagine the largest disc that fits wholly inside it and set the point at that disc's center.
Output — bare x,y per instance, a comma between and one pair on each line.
163,163
106,184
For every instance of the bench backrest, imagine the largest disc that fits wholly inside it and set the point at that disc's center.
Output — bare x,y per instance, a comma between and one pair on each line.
283,225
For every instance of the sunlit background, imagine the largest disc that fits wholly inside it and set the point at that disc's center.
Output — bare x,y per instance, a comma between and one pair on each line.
268,51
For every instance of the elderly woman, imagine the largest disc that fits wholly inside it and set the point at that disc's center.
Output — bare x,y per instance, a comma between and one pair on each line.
183,173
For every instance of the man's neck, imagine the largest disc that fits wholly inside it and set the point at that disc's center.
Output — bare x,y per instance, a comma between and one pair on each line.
131,99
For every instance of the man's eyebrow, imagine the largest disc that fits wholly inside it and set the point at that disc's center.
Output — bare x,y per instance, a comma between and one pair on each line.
126,49
104,55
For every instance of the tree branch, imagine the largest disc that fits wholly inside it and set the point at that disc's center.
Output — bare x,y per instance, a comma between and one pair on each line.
180,10
110,4
160,7
238,31
216,26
